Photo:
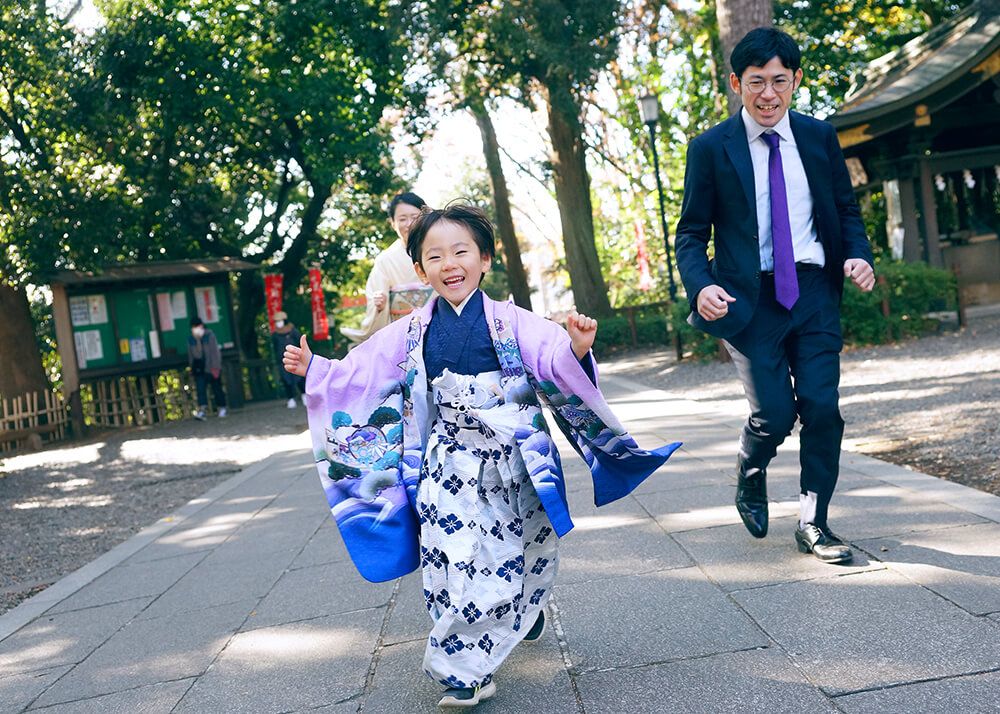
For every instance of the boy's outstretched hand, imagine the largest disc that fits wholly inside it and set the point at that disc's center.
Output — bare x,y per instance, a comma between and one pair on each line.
582,331
296,359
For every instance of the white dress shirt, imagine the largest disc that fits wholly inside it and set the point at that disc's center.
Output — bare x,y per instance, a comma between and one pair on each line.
805,245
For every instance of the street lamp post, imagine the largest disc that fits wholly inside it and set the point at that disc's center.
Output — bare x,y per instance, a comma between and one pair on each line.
649,111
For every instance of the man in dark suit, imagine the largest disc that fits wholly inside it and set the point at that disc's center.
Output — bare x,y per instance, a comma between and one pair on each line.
770,189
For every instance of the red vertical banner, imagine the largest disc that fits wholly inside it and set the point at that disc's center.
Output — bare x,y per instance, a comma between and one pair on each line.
642,258
321,328
273,295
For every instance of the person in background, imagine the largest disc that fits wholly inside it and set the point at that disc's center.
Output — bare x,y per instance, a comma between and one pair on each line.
393,269
205,359
285,333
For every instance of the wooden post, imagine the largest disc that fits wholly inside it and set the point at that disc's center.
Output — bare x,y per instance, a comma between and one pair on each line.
884,285
67,356
959,298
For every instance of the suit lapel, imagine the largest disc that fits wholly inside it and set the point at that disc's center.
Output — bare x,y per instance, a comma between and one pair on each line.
738,151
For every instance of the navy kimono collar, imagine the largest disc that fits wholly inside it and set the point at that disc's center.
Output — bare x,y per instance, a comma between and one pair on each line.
460,343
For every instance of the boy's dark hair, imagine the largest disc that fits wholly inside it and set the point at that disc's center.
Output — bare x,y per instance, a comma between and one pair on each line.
407,197
760,46
195,321
465,214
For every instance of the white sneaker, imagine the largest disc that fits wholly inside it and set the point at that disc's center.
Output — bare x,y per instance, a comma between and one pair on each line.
291,404
222,412
303,400
200,415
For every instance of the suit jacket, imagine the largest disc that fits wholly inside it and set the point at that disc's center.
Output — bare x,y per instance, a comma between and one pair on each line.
720,204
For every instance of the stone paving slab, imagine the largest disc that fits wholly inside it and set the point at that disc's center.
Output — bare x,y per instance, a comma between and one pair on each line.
318,591
759,680
976,694
288,667
64,638
651,618
409,619
735,561
131,581
609,546
160,698
871,630
703,507
961,564
218,581
19,690
150,651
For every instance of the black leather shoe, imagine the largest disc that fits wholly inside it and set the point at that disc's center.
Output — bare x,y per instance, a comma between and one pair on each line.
751,502
822,543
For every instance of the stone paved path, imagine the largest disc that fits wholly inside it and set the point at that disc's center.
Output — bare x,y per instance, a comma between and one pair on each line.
245,601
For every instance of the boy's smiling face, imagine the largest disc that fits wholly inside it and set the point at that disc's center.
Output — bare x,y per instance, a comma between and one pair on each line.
451,262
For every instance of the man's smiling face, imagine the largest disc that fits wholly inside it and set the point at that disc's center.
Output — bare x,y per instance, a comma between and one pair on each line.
768,106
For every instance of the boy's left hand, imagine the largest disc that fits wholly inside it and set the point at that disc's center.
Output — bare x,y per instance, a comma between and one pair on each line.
582,331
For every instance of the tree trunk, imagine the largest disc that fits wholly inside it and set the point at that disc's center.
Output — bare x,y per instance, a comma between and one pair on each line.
573,196
23,371
249,303
736,18
516,276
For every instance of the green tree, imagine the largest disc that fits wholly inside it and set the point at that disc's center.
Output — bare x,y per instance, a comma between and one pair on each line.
237,124
553,51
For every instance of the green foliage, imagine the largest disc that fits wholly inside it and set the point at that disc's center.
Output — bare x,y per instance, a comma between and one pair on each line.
838,38
911,289
615,333
696,344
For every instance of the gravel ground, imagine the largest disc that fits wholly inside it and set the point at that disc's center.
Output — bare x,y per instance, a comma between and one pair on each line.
63,507
932,404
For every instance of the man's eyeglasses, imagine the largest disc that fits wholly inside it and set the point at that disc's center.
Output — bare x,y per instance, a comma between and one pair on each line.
780,84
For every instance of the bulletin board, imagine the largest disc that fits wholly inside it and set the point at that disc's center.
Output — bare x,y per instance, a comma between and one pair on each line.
146,325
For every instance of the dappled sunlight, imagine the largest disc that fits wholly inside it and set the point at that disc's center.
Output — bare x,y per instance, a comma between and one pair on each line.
279,645
597,523
72,456
893,492
861,397
968,365
67,502
71,485
204,449
39,655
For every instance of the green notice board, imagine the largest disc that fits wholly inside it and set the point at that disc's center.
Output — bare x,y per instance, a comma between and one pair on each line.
133,316
128,327
93,331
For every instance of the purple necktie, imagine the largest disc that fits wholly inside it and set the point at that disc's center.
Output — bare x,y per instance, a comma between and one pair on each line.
786,283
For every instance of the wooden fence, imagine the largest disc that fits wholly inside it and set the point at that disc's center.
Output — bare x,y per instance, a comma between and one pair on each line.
30,420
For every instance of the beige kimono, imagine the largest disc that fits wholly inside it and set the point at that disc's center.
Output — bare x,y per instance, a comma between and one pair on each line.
393,270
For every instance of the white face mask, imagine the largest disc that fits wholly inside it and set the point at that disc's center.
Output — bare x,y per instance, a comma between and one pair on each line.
278,324
197,331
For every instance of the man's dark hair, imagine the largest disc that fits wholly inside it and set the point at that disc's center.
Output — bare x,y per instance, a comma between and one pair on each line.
195,321
464,214
760,46
407,197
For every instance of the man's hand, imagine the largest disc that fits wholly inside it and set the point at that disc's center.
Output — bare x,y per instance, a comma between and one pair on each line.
215,372
713,302
582,331
379,300
860,273
296,359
